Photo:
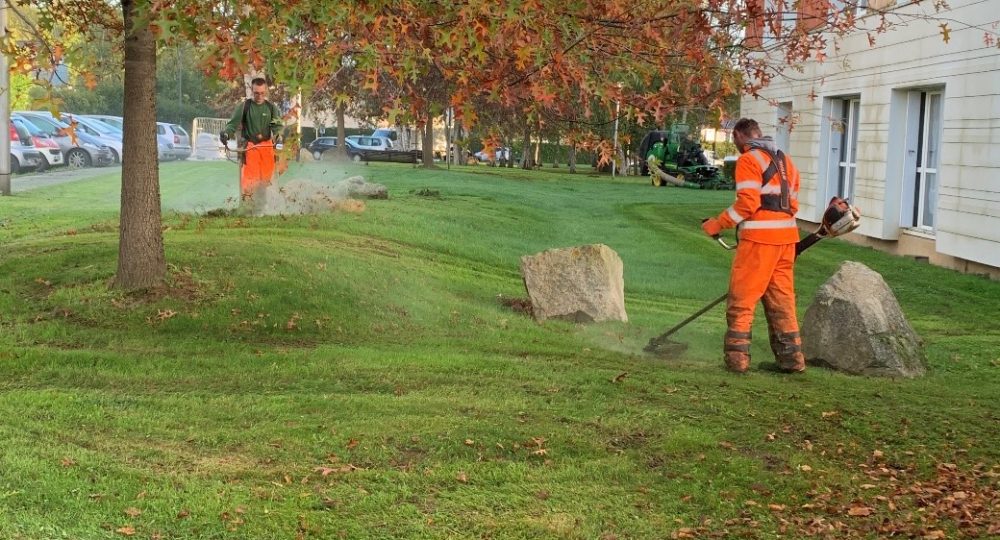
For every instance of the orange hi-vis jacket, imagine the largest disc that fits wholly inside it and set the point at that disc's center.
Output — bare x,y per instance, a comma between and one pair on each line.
752,211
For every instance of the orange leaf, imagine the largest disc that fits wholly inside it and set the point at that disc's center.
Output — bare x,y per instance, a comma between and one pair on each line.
127,530
860,511
133,512
945,32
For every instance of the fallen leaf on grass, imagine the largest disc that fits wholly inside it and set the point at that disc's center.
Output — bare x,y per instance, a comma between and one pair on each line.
126,530
727,445
860,511
326,471
469,442
620,377
183,513
829,414
805,468
67,462
352,443
133,512
462,477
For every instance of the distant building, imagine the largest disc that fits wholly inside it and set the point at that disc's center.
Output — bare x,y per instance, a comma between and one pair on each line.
907,128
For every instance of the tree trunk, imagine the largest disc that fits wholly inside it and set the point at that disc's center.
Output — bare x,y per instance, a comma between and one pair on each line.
341,149
526,160
572,158
141,260
428,142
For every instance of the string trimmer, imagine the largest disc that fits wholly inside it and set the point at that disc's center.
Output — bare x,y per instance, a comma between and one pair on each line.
839,219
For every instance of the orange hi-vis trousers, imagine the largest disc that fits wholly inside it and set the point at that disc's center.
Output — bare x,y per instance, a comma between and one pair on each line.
763,272
258,167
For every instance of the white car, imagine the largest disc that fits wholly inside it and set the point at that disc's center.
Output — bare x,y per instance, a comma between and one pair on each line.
362,142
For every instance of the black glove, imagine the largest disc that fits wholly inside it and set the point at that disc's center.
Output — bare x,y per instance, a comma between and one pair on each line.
223,138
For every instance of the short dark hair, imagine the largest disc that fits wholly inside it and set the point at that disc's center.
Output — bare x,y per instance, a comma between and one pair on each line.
258,81
748,127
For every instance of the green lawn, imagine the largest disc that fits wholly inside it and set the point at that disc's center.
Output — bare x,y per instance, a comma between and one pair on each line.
354,375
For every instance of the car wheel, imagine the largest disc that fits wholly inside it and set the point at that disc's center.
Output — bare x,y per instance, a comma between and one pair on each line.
43,165
115,158
356,158
317,155
15,167
77,158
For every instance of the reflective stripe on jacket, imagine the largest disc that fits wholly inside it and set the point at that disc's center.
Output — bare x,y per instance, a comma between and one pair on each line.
755,223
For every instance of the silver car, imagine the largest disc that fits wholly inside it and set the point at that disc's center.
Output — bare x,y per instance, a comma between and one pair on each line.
106,134
173,142
84,152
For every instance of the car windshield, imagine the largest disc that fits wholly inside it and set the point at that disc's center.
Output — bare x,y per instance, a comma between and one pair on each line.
32,128
47,124
113,122
22,134
83,138
178,129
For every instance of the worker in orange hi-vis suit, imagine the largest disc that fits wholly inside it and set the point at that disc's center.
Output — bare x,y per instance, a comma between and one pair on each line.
767,187
259,123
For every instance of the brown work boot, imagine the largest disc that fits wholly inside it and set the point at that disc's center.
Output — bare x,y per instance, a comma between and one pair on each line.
794,363
737,362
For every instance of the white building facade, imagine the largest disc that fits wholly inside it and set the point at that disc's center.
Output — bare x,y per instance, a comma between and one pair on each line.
908,129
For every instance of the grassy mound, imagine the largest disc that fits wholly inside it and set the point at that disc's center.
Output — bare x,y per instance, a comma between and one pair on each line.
372,375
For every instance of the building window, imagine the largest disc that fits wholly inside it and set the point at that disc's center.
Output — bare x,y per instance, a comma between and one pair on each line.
847,166
925,179
783,126
842,165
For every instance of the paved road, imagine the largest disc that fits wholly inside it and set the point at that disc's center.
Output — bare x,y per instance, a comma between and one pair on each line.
61,175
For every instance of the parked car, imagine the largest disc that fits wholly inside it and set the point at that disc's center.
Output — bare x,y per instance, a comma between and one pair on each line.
370,143
51,127
106,134
386,133
85,151
208,147
89,152
360,153
23,155
176,143
49,149
113,121
320,145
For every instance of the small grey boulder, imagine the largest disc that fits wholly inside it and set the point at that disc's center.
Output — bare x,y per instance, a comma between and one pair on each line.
855,325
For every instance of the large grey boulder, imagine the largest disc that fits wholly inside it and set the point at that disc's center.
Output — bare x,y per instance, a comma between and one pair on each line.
855,325
581,284
355,187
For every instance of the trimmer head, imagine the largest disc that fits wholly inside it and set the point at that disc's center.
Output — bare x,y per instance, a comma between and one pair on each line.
664,347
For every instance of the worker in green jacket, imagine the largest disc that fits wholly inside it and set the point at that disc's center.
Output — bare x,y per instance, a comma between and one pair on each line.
259,124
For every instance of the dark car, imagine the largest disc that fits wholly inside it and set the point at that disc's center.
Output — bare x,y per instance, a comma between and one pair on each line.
320,145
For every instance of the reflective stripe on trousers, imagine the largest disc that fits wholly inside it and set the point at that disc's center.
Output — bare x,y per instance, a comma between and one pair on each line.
763,272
